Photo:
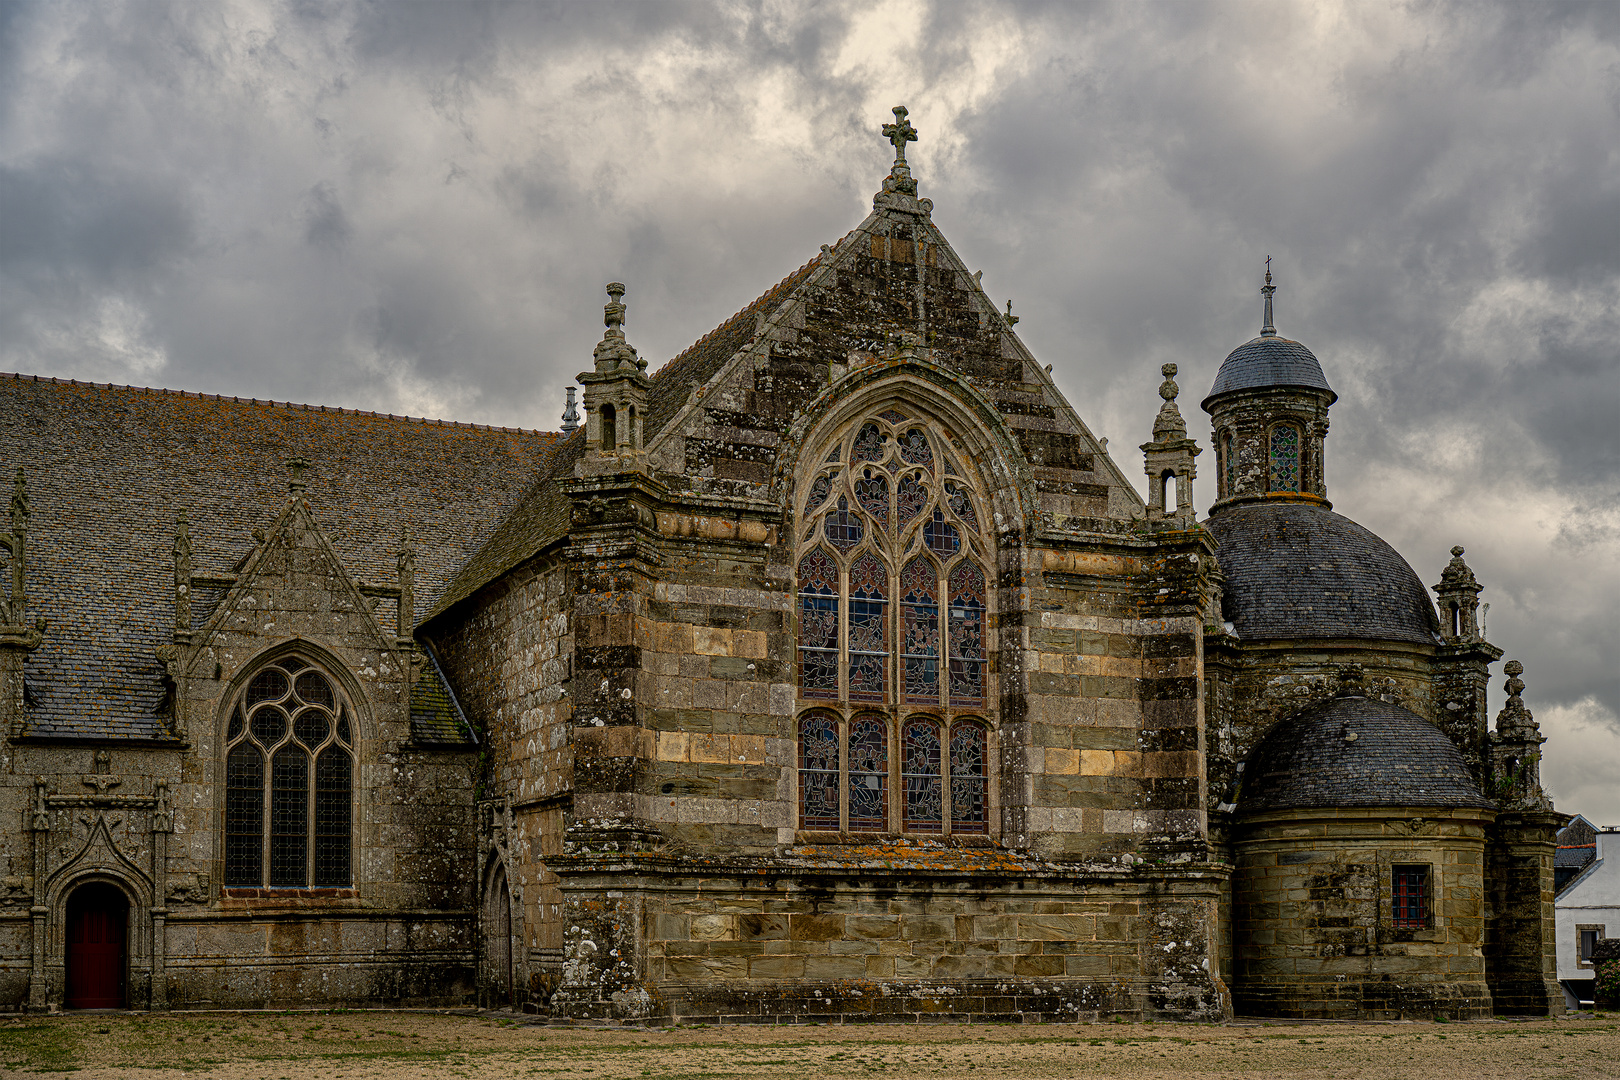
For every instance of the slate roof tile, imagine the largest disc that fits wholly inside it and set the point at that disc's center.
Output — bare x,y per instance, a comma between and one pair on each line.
109,467
1268,361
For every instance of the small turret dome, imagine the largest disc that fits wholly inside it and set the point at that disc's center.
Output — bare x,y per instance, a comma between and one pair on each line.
1356,751
1268,361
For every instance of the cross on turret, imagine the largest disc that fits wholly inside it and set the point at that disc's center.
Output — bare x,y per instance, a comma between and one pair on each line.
899,133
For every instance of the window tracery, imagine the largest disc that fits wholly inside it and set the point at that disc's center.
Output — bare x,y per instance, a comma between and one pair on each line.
292,828
893,614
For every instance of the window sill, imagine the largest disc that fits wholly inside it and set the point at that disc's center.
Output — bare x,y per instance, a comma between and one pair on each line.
286,895
955,840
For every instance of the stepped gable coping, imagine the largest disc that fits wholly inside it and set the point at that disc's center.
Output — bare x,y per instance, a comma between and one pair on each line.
541,517
121,461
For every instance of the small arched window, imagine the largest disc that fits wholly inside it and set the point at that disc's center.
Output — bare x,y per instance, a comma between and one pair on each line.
289,781
1285,458
610,440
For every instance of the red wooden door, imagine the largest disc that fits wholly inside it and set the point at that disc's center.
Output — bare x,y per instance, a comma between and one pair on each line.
97,928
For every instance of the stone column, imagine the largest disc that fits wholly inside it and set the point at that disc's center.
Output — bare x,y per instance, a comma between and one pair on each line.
39,825
1521,962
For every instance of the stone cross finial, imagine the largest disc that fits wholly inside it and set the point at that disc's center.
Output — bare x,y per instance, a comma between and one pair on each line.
1012,320
899,133
296,466
1266,290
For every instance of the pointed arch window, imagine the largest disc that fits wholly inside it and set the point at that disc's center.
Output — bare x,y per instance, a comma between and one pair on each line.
1284,458
894,619
289,782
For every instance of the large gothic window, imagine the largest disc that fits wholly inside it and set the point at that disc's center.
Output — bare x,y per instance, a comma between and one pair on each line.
893,640
289,781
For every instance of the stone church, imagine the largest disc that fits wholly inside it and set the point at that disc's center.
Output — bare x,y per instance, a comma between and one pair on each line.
833,670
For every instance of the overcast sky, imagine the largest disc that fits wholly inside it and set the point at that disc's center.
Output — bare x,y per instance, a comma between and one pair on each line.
412,208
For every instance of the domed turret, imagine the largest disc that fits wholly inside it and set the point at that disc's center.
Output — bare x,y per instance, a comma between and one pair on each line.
1269,407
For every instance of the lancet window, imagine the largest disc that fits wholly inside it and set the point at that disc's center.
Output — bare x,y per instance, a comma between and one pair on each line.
1285,458
289,781
893,634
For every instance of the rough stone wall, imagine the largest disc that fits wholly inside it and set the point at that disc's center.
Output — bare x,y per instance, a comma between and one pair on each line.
1248,418
149,819
510,655
1312,924
1520,946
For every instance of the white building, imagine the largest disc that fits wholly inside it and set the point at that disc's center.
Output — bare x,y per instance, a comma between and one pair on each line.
1588,910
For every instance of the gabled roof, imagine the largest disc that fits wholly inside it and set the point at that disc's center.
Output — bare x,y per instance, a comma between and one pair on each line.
541,516
109,468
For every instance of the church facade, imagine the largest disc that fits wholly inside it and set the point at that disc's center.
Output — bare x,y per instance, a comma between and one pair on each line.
834,670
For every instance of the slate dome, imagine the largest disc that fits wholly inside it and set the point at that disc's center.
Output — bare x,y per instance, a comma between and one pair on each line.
1298,570
1396,758
1268,361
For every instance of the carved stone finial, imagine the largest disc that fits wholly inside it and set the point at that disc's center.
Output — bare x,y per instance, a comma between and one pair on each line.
1168,389
613,353
570,416
295,481
1012,320
1266,290
1515,685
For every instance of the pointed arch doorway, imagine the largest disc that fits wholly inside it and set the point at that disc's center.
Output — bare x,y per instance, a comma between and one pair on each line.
495,961
97,947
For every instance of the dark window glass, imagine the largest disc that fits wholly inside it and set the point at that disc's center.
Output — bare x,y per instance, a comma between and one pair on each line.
818,625
969,778
234,732
967,634
333,782
919,630
818,773
941,536
343,728
1229,463
920,773
312,727
868,444
872,493
269,725
1410,905
819,490
868,628
910,497
844,529
915,450
244,816
868,775
289,817
268,685
313,689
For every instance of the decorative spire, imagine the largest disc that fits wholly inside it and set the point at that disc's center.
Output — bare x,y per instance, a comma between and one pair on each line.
1266,290
405,621
1516,749
570,416
182,577
16,542
899,133
1459,602
613,352
1169,424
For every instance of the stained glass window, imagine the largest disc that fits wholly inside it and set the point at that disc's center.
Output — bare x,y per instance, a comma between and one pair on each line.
868,775
844,529
941,536
969,778
869,444
961,505
872,493
966,634
920,773
293,827
818,625
919,630
819,490
915,450
893,416
818,773
910,497
868,628
1284,458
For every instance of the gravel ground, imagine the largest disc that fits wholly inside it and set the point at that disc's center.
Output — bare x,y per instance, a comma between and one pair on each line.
371,1045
